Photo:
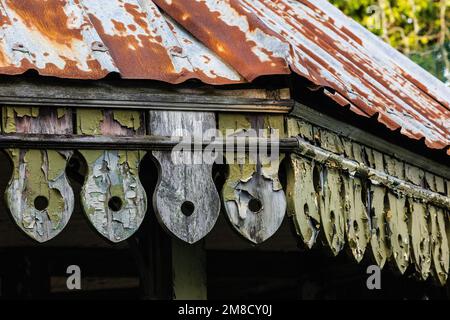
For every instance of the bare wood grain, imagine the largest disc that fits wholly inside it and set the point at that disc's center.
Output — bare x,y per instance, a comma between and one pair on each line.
186,200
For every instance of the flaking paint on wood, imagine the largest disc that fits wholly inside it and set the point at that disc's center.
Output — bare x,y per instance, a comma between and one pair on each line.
440,251
378,210
39,173
400,227
257,183
439,245
331,184
398,217
419,226
113,197
302,203
332,208
301,194
356,205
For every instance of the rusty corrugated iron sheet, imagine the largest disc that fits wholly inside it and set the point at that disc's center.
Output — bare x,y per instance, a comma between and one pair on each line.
222,42
89,39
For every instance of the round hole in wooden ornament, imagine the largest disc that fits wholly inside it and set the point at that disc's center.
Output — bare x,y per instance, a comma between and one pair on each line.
115,203
187,208
255,205
40,203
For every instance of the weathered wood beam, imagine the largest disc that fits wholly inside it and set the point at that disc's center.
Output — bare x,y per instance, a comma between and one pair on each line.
141,95
153,142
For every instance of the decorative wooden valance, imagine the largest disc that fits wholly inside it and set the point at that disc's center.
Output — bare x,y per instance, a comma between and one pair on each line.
338,192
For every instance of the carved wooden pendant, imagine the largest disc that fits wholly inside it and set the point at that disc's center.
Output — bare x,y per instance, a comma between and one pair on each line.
330,185
112,196
440,253
253,196
186,200
38,195
302,201
378,239
301,192
332,208
356,207
420,238
397,217
439,245
419,226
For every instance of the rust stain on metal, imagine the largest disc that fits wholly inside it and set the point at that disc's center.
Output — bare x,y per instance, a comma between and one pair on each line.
330,50
224,42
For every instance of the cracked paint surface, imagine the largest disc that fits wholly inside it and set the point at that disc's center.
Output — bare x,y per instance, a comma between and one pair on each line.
397,227
114,174
112,195
254,183
39,173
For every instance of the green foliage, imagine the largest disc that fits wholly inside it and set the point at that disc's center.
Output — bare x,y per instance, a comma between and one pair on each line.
418,28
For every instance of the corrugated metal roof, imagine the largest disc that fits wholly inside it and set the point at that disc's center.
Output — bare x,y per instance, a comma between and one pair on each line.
228,41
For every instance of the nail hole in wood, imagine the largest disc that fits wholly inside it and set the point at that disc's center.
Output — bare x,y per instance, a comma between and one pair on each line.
255,205
40,203
187,208
115,204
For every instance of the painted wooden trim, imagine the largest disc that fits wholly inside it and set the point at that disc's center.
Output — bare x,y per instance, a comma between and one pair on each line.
288,145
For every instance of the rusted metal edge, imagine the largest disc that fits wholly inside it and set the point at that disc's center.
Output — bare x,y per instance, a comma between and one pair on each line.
376,177
286,145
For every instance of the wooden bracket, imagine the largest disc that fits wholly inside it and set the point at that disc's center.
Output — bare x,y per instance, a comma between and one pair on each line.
38,195
113,197
253,196
186,200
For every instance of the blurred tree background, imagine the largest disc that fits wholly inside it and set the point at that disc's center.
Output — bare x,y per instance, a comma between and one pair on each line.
418,28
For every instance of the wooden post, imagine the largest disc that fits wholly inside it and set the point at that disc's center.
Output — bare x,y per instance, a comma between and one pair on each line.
189,271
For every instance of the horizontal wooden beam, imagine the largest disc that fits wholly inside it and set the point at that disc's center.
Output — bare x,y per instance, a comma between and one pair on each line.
137,95
71,141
